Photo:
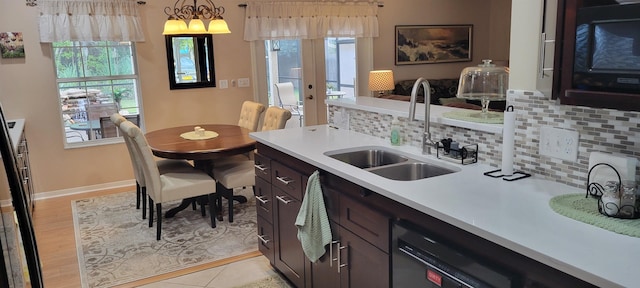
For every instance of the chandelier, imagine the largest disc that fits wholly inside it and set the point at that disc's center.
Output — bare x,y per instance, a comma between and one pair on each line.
184,12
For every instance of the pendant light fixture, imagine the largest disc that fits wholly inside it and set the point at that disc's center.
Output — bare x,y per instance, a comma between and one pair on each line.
185,18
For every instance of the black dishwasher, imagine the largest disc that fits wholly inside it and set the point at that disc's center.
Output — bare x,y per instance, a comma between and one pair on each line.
420,260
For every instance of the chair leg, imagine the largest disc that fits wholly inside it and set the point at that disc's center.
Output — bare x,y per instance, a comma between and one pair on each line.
212,208
143,191
138,193
226,193
193,206
150,212
159,216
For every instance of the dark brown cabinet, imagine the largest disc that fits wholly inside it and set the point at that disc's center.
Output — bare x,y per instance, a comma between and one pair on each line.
358,256
24,168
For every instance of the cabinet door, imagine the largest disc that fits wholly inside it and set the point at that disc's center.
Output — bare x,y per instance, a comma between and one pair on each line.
324,272
290,259
366,265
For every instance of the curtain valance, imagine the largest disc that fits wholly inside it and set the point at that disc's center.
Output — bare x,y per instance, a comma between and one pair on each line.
310,20
89,20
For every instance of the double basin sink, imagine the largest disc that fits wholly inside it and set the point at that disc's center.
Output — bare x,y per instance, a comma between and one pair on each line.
390,164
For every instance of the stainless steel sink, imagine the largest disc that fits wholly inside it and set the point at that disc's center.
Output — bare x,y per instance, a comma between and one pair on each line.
369,158
384,162
411,171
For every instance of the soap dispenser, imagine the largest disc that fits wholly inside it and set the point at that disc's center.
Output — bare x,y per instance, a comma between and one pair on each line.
396,136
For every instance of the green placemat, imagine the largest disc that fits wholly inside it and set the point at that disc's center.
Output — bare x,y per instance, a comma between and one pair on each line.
468,115
577,207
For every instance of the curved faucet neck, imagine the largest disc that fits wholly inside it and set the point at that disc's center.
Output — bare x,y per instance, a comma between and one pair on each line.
426,137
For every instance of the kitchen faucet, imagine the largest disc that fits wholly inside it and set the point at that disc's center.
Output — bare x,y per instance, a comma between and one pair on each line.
426,135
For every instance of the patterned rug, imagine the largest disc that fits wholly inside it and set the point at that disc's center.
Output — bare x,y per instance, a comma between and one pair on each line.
116,246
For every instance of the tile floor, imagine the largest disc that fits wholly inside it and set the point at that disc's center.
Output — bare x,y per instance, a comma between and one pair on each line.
227,276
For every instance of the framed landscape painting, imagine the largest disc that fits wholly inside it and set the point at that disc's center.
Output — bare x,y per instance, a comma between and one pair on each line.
424,44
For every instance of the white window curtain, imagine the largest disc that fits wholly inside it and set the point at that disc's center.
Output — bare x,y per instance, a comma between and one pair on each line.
89,20
310,20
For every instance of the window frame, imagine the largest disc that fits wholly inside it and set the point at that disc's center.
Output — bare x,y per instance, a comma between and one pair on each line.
134,78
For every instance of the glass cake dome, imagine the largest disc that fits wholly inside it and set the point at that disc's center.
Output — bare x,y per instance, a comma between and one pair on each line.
485,82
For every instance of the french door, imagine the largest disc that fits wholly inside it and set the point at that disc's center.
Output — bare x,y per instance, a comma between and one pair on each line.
317,68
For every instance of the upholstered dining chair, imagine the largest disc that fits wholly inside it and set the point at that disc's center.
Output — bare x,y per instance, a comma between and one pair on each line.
287,99
169,186
250,115
241,174
164,165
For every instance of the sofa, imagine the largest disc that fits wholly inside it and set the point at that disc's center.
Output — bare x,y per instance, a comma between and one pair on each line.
443,92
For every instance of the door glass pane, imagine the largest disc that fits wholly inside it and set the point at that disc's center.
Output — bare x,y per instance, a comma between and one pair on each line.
340,56
284,64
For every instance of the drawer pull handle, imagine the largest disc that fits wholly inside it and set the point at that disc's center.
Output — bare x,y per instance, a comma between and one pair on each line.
262,199
331,259
285,201
285,180
261,167
340,265
263,239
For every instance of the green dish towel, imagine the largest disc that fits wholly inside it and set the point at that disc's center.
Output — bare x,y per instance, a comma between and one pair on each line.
577,207
314,231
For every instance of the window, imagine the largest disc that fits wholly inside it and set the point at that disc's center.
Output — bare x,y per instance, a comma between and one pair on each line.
95,79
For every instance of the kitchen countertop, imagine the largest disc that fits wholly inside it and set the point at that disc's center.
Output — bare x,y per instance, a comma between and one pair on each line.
401,109
515,215
16,132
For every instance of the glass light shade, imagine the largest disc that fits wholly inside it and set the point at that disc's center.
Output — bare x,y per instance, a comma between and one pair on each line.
196,26
218,26
174,26
381,80
485,82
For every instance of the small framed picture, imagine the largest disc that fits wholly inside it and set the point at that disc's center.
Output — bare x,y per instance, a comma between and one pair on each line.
11,45
425,44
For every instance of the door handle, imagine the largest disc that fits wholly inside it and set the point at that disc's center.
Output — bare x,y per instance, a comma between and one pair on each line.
310,97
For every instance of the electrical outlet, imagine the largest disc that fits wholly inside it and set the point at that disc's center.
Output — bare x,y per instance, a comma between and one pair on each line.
243,82
559,143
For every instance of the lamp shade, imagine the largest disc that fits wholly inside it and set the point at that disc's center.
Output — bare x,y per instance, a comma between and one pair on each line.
381,80
196,26
218,26
174,26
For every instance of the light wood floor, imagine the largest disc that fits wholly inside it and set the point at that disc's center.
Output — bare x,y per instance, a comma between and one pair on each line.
55,237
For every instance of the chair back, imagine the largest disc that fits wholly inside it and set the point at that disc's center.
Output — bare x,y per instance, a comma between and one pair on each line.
250,115
117,120
145,159
275,118
286,94
109,128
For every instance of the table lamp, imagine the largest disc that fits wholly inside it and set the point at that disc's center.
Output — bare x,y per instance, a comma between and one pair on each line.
381,81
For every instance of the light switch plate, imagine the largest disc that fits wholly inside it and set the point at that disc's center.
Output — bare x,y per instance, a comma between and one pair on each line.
243,82
224,84
559,143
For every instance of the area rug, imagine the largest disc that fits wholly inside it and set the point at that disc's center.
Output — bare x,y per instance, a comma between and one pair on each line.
116,246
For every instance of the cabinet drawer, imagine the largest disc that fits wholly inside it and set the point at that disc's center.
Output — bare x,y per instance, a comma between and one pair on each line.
263,167
363,221
287,179
266,239
264,199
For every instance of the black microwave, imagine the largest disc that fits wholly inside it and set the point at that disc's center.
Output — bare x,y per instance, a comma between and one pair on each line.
607,49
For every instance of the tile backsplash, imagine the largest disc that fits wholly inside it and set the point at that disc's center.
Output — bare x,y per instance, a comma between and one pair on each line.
605,130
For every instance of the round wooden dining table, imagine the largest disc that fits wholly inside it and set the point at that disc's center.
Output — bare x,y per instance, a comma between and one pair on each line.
230,140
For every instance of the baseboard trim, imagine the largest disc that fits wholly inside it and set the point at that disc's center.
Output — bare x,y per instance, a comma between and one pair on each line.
85,189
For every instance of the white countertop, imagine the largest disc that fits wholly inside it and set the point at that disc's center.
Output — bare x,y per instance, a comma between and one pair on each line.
401,109
515,215
16,132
